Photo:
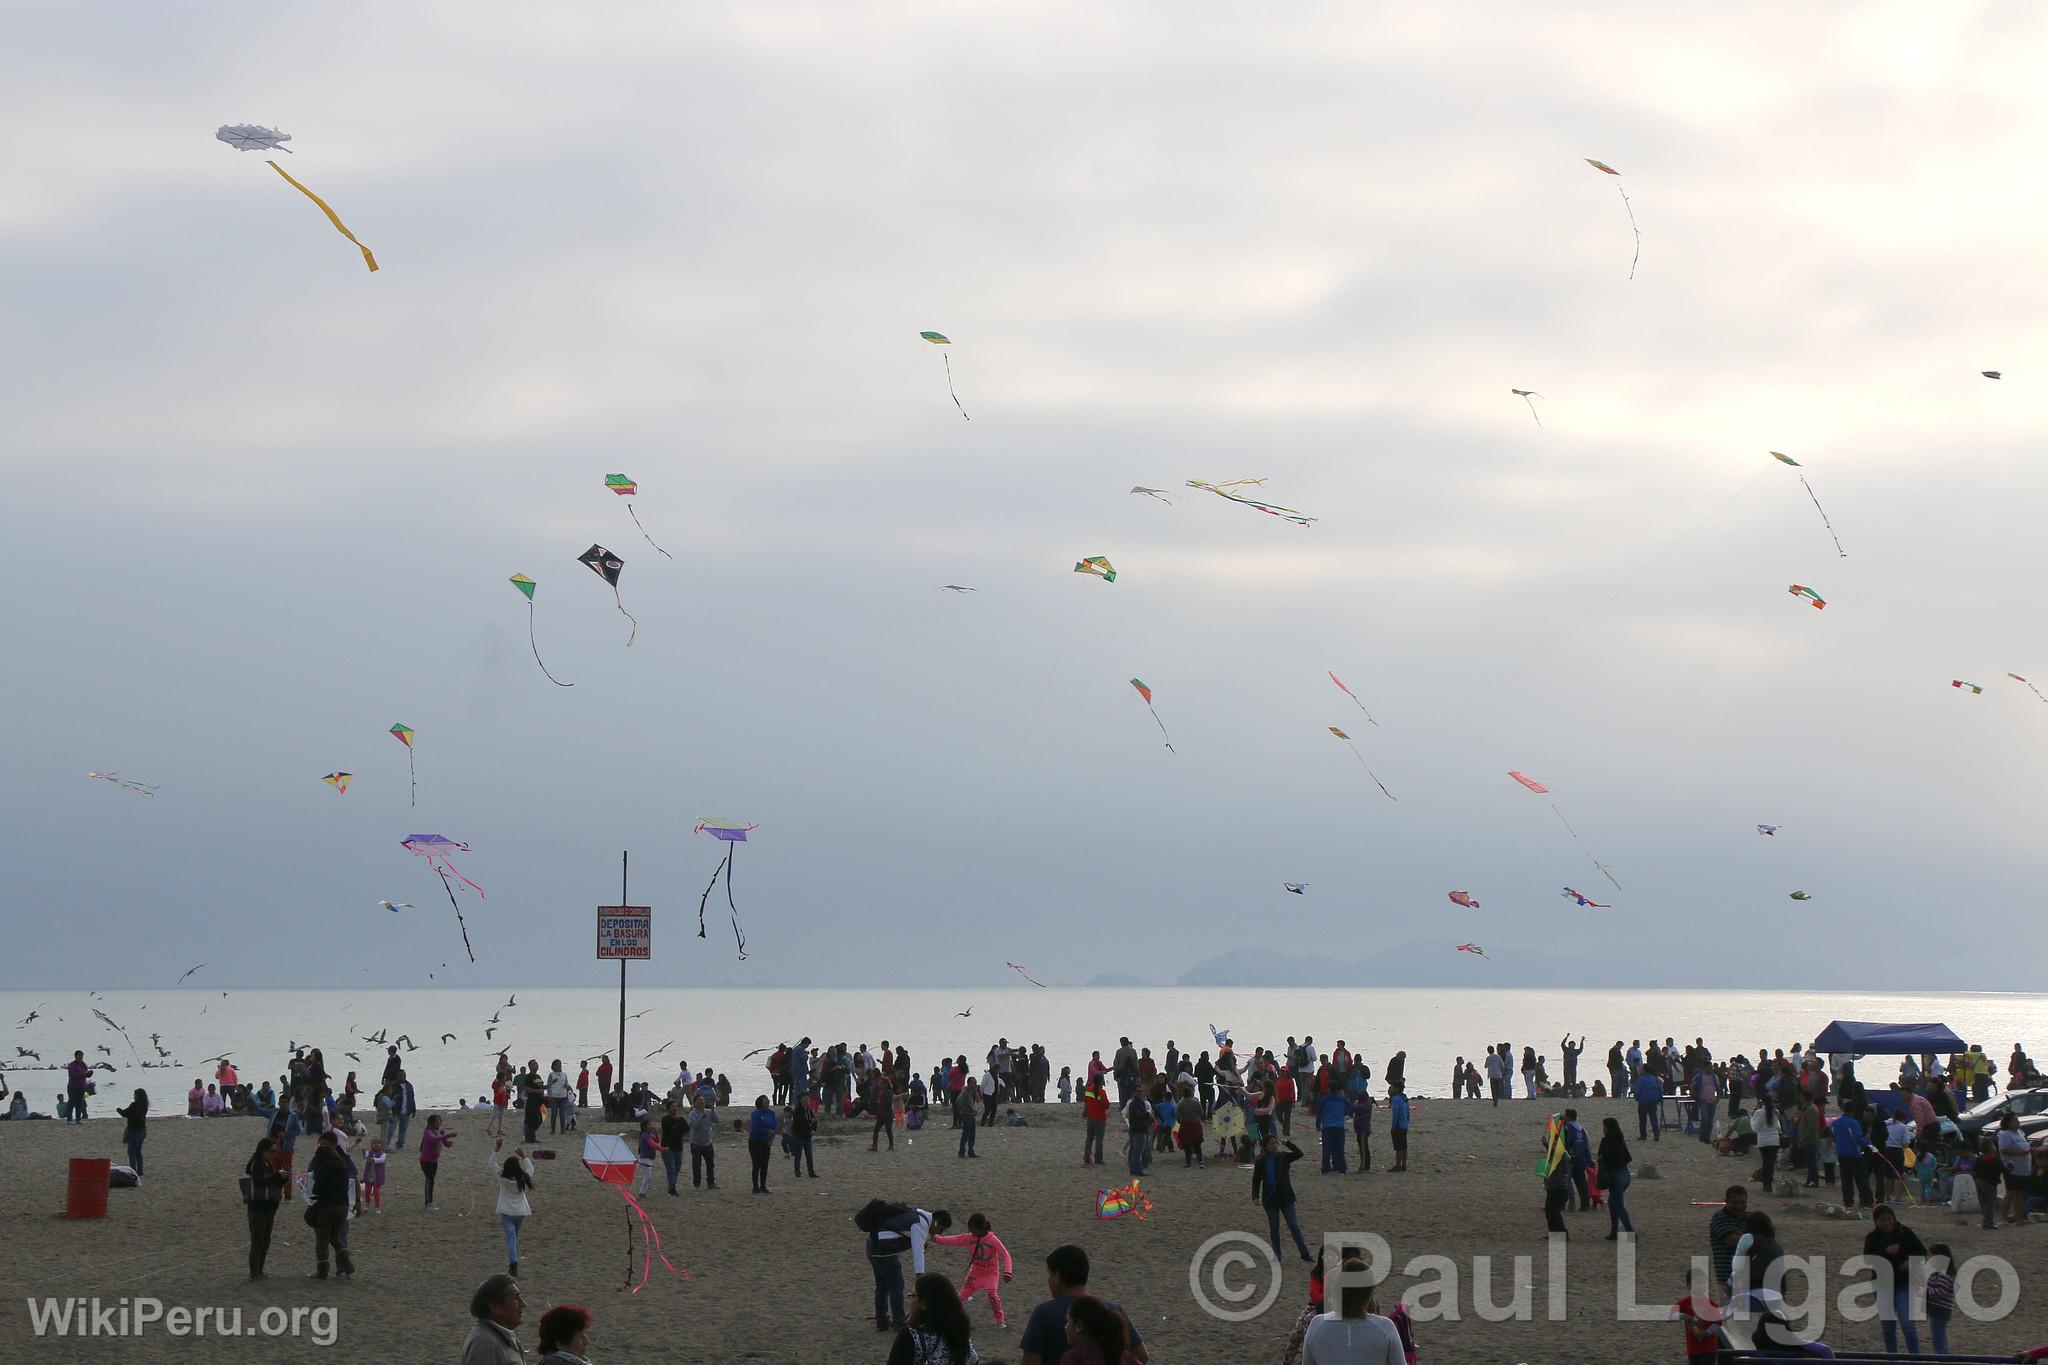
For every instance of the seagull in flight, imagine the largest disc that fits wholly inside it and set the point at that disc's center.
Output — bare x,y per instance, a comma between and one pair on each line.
966,1013
636,1016
33,1015
510,1002
395,906
489,1034
410,1045
24,1052
447,1038
104,1048
181,980
957,587
352,1057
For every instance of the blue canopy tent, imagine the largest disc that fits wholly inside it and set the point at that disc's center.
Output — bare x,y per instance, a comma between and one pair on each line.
1862,1040
1849,1035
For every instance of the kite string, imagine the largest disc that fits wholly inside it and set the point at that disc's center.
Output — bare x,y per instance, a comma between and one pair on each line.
622,607
709,887
739,938
536,648
643,531
1597,864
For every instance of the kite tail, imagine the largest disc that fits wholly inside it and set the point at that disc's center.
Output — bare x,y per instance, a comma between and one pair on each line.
627,614
643,531
949,386
1532,406
412,771
1162,730
1373,775
1639,241
739,938
339,226
536,648
458,913
1823,517
709,887
1597,864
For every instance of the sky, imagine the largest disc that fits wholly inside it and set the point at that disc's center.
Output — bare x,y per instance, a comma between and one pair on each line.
257,504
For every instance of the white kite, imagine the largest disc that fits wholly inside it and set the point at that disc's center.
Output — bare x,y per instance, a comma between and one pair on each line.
253,137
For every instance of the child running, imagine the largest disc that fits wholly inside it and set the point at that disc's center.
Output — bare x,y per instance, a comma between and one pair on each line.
982,1262
374,1162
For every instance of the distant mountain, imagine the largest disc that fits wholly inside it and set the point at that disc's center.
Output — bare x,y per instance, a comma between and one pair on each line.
1118,979
1406,964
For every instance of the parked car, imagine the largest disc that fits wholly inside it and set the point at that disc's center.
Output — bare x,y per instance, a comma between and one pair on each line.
2030,1105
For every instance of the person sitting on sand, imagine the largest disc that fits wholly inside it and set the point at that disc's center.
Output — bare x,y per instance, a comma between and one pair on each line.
498,1308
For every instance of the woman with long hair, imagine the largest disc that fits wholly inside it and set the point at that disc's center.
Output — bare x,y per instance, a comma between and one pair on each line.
935,1330
762,1126
1767,1127
263,1186
515,1178
1095,1334
1613,1160
137,1115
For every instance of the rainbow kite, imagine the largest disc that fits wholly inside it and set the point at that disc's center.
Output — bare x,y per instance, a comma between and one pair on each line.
1123,1200
403,734
626,488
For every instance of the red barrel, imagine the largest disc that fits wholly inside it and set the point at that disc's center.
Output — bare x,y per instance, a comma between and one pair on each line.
85,1194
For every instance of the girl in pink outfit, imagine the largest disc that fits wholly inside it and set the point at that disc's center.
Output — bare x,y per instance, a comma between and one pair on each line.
374,1165
982,1263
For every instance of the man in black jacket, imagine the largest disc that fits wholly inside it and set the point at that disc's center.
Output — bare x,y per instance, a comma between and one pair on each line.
1273,1186
329,1173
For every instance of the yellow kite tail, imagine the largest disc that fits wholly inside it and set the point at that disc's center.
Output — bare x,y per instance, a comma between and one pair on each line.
339,226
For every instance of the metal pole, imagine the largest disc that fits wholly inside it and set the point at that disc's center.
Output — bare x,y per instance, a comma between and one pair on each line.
622,987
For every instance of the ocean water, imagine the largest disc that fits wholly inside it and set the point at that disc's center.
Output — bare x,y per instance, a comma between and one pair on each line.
718,1027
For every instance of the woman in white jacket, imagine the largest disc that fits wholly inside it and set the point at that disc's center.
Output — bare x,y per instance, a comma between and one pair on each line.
515,1178
561,1099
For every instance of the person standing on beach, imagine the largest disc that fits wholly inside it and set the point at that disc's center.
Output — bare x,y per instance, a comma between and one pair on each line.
1205,1080
77,1076
1333,1116
1571,1061
1496,1073
1649,1097
1045,1341
1273,1187
1138,1138
991,1087
1579,1151
498,1308
265,1185
1706,1097
1361,1101
762,1126
604,1082
1397,1110
903,1229
1095,1111
561,1119
327,1174
1724,1230
1613,1161
137,1129
403,1106
1124,1066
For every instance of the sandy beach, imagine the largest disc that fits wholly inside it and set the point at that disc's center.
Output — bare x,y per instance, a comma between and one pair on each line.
782,1277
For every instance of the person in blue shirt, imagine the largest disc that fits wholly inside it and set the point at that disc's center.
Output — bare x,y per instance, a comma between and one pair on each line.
1333,1113
1846,1132
1397,1110
1649,1093
762,1126
1580,1149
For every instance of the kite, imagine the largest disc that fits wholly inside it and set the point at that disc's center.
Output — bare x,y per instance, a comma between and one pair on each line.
339,226
2029,686
435,849
607,1157
1606,169
1222,1036
395,906
1533,785
1124,1199
941,339
1361,762
1098,565
253,137
1768,831
526,586
956,587
1472,948
338,781
1146,693
1464,898
626,488
1801,590
731,833
1525,395
1958,682
1586,901
608,566
1783,458
1221,490
1298,888
1992,374
1354,698
134,788
1801,896
1025,972
403,734
1160,493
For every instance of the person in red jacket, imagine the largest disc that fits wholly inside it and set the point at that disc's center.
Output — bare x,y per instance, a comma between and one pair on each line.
1094,1108
1283,1102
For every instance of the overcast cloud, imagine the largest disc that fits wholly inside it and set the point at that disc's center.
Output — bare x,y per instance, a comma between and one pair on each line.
257,505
